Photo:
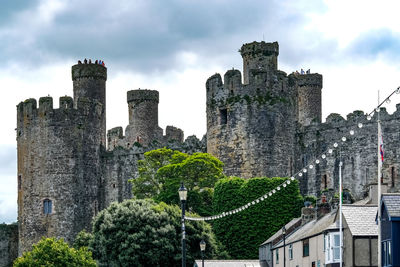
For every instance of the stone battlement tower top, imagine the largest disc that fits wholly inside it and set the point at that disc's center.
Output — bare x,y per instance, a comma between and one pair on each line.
259,56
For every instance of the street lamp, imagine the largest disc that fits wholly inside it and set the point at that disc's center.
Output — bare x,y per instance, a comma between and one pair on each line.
202,248
183,195
284,245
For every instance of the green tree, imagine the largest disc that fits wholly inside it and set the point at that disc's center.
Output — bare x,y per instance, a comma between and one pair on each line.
56,253
148,184
163,170
243,232
82,239
143,233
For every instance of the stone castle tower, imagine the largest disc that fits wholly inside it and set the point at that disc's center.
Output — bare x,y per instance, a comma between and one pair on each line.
270,125
65,173
252,126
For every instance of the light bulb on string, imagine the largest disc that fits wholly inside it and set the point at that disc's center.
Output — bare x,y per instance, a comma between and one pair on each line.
288,182
304,170
284,185
377,109
300,174
388,101
317,161
344,139
360,125
335,145
330,151
398,90
323,156
351,132
270,194
368,118
311,166
292,178
278,188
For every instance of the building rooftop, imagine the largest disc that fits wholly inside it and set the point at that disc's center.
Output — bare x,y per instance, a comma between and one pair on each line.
279,232
361,219
228,263
392,204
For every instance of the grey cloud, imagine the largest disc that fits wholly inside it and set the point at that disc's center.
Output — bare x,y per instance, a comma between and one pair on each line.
8,158
147,35
380,42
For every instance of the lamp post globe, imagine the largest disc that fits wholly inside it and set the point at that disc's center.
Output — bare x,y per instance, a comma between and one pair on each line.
202,248
182,196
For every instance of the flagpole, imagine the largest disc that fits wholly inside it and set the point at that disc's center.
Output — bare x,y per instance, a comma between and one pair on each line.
340,209
379,189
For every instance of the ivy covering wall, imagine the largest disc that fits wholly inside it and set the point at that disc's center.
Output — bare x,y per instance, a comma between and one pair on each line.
243,232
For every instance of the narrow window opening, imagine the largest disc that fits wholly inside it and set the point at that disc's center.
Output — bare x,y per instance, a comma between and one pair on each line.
223,116
324,182
113,185
47,206
306,248
19,182
393,175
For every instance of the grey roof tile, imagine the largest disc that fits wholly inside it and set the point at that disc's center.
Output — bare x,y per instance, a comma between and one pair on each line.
361,219
392,203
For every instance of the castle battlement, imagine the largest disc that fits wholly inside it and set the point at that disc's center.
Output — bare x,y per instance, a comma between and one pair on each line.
312,79
91,71
143,95
29,113
256,49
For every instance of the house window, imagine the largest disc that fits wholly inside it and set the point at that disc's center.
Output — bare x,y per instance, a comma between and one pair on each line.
277,256
223,116
386,253
306,248
313,264
47,206
290,252
336,247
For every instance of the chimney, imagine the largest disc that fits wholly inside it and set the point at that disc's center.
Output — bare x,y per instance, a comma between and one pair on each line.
307,215
373,192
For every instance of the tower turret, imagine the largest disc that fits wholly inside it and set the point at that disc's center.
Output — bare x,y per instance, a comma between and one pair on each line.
143,116
309,98
259,56
89,82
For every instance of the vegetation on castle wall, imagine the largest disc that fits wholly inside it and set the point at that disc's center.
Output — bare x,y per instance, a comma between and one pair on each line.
163,170
143,233
53,252
243,232
260,99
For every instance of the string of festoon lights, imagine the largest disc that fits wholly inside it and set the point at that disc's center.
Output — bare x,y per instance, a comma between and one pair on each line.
316,161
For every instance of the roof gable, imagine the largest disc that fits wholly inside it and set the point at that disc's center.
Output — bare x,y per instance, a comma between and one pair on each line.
391,202
361,219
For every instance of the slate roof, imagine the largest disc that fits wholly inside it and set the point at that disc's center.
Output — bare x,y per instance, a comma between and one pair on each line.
361,219
312,228
279,232
229,263
392,204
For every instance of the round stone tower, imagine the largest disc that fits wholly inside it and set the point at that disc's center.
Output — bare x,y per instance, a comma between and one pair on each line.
59,162
259,56
89,82
143,117
309,98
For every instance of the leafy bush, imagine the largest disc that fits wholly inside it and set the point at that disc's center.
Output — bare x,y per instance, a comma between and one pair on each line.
243,232
57,253
143,233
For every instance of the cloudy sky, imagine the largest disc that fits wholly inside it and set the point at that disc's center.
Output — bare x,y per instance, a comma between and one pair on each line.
174,46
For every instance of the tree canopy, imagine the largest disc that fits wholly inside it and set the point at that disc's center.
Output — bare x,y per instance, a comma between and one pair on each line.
56,253
162,171
143,233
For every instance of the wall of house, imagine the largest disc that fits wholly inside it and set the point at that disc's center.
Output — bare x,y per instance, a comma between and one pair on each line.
316,249
365,251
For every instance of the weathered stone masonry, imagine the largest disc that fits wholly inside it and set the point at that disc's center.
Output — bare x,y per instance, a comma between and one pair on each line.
271,126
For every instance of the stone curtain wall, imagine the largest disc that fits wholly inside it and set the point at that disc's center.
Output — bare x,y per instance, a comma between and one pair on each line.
8,244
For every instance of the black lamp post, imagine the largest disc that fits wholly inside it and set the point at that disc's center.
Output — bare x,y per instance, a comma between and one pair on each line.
202,248
284,245
183,195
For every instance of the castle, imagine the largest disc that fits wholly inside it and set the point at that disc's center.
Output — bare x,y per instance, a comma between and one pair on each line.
266,123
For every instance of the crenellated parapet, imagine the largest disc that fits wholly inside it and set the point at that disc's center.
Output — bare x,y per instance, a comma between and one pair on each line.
28,113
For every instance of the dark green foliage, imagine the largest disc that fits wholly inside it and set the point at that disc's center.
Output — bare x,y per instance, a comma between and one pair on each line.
82,239
311,199
56,253
163,170
143,233
243,232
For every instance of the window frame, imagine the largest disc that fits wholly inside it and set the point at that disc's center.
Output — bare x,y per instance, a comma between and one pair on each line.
277,256
290,252
306,247
47,206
